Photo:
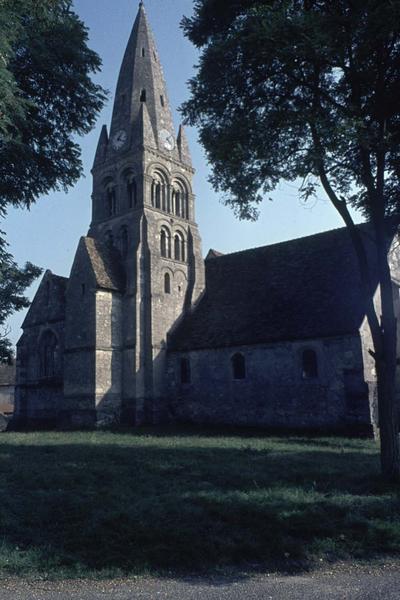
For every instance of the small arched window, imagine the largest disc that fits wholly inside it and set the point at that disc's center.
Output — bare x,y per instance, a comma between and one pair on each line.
238,366
48,355
143,96
165,243
177,203
167,283
158,195
131,193
309,364
124,242
186,375
111,201
179,247
180,198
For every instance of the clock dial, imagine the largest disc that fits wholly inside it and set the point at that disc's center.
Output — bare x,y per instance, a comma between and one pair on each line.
119,139
167,139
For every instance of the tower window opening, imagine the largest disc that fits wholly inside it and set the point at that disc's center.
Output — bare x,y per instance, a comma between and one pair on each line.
167,283
165,243
178,204
238,363
83,289
143,52
132,193
158,195
179,247
111,201
309,364
186,215
143,96
185,371
162,100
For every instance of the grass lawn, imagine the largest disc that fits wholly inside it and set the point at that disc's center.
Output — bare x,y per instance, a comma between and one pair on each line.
108,504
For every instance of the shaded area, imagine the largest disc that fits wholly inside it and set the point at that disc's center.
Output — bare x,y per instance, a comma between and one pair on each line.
81,503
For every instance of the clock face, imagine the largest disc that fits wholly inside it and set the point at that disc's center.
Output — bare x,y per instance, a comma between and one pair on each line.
167,139
119,139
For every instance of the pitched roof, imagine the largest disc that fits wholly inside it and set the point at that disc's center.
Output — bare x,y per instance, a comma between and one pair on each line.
106,264
49,301
300,289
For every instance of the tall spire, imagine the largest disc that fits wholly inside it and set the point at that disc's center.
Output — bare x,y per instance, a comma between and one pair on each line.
141,80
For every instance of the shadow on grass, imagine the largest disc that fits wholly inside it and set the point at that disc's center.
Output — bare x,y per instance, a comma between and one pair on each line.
81,504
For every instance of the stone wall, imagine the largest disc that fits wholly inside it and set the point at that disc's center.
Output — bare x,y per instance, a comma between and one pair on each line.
274,392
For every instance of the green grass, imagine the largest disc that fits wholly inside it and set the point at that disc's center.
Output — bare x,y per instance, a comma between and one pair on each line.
106,504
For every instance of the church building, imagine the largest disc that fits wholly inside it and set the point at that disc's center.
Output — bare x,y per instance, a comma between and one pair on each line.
146,331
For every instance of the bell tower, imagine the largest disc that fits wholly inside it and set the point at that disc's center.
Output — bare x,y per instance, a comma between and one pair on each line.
144,206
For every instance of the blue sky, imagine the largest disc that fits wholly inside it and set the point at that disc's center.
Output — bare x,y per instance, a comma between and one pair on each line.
48,234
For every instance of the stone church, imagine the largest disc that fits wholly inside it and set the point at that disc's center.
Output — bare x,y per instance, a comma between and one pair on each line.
145,331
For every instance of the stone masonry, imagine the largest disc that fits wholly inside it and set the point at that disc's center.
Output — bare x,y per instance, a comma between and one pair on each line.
145,331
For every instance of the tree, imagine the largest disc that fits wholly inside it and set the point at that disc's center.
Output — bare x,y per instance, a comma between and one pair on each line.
13,283
309,89
46,97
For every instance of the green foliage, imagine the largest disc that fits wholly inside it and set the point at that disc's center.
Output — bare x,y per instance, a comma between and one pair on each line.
13,283
295,89
46,97
103,504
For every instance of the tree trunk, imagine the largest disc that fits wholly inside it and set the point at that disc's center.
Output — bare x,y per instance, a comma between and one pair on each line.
386,361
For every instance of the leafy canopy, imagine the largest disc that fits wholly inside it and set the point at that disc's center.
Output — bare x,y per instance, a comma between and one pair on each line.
46,97
13,283
289,89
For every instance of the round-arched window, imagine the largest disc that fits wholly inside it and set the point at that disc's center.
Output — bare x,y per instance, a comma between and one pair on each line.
309,364
238,363
165,242
179,247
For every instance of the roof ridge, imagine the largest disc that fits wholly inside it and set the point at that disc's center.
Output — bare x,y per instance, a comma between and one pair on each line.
284,242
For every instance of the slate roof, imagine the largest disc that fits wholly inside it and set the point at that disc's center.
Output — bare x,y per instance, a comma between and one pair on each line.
106,264
300,289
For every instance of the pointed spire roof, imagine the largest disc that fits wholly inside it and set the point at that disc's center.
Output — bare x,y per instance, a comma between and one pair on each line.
101,146
183,147
141,81
144,130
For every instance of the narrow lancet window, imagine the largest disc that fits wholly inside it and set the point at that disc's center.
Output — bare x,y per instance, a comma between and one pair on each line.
179,247
132,193
238,366
165,243
143,96
167,283
309,364
111,201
